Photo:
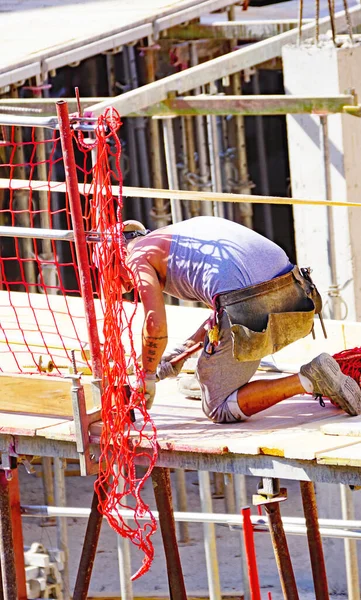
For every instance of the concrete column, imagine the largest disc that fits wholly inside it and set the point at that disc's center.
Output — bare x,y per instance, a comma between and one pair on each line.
313,71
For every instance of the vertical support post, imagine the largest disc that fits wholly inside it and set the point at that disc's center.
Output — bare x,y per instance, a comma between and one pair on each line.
48,485
352,571
171,163
210,545
206,207
17,530
262,163
160,217
334,291
21,204
214,162
181,496
241,501
79,236
7,554
163,498
61,522
89,549
314,540
255,592
244,209
123,549
280,548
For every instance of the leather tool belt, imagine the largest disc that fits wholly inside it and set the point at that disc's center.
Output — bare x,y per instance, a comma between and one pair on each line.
268,316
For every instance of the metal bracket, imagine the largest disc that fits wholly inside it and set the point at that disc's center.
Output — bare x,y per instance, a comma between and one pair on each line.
269,491
82,421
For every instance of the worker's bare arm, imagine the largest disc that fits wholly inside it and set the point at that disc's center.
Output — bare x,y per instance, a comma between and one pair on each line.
154,333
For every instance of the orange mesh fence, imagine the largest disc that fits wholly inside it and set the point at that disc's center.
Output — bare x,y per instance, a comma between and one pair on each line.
43,321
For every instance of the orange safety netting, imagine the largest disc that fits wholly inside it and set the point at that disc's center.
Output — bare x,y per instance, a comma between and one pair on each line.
43,326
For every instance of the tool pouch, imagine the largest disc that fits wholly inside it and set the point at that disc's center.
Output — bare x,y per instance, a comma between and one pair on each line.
265,318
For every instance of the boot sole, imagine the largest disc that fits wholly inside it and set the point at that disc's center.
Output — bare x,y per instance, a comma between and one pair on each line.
347,394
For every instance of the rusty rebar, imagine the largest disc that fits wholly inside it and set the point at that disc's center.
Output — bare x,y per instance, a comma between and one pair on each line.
280,548
89,549
314,540
163,498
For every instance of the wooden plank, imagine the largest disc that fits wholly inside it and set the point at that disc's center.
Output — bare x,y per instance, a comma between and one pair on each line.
347,426
39,395
348,456
26,425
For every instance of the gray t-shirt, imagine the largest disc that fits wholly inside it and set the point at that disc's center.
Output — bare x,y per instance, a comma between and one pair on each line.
211,255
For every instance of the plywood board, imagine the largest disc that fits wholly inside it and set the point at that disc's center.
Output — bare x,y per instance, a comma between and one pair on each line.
39,395
348,456
25,425
348,426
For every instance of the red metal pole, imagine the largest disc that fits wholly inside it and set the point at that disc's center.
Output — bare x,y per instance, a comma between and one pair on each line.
7,554
79,236
250,554
18,540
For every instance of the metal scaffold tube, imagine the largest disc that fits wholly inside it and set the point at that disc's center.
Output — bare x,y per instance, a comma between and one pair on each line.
314,540
210,544
79,235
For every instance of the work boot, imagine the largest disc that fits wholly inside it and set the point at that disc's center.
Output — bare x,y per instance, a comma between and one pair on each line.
189,386
328,380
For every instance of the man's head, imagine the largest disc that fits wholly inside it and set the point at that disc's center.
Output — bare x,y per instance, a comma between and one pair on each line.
133,229
107,252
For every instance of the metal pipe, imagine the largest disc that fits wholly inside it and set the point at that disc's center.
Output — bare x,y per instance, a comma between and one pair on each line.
62,526
352,570
142,145
80,241
250,553
181,497
89,548
280,548
294,525
7,554
213,154
314,540
245,210
131,144
160,216
163,498
206,208
334,290
22,207
209,536
171,163
262,164
85,124
240,490
123,550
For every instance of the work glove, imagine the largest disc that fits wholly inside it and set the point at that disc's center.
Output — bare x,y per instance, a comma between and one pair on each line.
147,387
165,368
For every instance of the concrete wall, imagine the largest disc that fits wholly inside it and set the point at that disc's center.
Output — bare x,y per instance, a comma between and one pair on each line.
326,70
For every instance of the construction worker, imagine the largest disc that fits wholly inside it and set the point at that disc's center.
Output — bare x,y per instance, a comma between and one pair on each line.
260,302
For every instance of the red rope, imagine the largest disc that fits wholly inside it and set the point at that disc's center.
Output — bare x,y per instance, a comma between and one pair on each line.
350,363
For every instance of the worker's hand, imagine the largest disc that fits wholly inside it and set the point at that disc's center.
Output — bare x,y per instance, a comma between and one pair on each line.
166,368
147,386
